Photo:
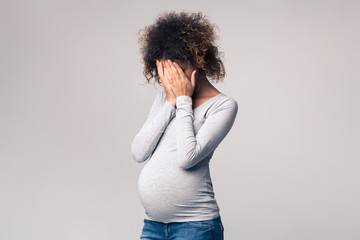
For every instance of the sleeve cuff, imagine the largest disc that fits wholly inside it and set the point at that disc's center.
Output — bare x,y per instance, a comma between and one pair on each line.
170,108
184,102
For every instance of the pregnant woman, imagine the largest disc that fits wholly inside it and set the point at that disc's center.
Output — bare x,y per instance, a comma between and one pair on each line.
187,121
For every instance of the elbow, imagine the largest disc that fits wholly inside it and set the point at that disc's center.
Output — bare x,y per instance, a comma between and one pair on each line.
184,162
190,160
137,158
184,165
137,154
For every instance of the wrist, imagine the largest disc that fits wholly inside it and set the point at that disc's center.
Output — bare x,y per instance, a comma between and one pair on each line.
184,101
173,103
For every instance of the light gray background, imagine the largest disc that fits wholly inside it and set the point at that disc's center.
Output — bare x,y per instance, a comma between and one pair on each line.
71,101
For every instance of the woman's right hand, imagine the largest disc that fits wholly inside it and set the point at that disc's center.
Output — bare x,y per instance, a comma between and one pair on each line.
171,98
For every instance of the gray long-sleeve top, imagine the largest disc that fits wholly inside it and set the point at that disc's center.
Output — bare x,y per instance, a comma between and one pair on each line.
175,184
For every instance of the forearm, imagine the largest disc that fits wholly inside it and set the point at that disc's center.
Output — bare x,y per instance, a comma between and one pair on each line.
193,148
186,139
149,135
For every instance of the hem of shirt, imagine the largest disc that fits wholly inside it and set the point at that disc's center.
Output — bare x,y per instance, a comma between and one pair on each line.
186,219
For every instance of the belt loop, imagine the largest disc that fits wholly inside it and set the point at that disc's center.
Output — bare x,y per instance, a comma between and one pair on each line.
166,230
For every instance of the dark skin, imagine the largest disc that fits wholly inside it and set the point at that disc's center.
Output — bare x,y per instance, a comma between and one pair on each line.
180,78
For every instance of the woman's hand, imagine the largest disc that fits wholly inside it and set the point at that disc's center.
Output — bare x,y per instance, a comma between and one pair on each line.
171,98
177,80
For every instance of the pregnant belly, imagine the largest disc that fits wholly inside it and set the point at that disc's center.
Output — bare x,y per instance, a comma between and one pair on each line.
165,190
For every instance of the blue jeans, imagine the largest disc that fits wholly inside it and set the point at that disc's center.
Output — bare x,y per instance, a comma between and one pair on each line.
191,230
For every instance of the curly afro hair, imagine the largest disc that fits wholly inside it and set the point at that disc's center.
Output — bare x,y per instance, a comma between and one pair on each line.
186,37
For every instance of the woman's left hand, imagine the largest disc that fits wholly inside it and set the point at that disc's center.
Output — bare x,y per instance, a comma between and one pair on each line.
178,81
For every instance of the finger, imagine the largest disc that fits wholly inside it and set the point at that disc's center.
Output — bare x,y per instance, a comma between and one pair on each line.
166,78
168,81
161,74
193,79
168,75
180,71
159,68
172,70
